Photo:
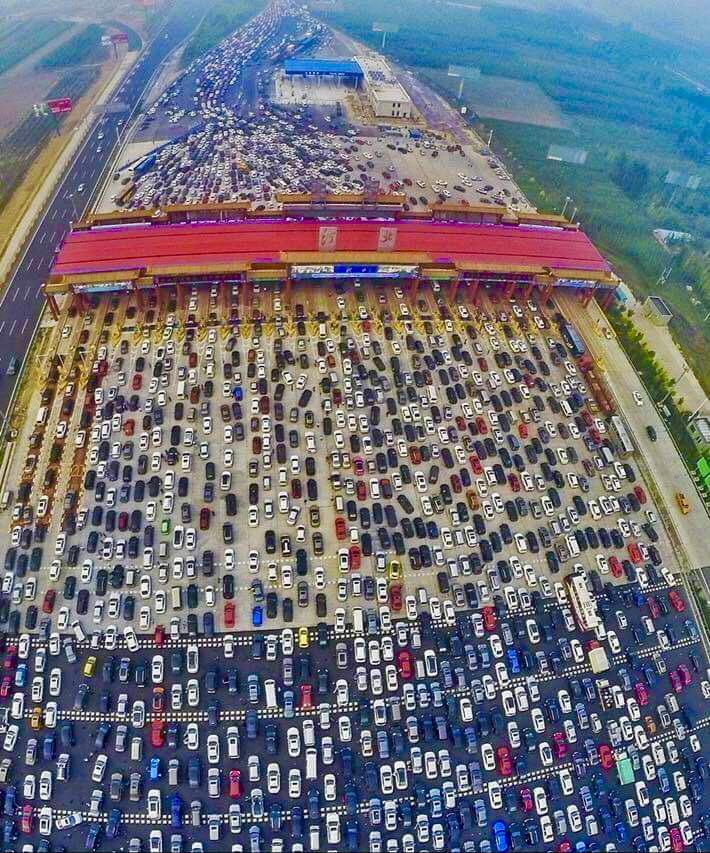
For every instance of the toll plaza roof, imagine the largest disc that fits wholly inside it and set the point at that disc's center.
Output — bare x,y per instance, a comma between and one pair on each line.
467,246
323,66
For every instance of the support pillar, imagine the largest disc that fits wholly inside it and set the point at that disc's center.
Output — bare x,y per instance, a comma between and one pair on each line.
140,299
454,287
527,290
587,296
473,286
52,303
607,298
509,288
288,284
414,287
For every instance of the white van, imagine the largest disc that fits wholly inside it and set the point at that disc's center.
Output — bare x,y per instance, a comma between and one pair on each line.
270,690
566,408
42,415
6,499
176,597
358,620
311,763
181,390
136,748
431,391
572,545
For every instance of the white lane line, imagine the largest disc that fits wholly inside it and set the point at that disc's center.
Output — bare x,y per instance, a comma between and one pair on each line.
29,263
24,326
15,291
12,328
43,235
2,326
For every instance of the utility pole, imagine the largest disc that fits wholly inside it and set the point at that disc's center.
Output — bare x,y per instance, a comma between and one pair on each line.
670,390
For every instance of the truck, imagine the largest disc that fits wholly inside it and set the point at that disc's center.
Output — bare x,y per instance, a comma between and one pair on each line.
598,660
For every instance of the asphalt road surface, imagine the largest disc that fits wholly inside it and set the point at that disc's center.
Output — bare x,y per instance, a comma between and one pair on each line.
22,301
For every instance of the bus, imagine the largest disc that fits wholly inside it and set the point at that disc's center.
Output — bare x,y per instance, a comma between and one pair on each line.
621,436
583,606
573,340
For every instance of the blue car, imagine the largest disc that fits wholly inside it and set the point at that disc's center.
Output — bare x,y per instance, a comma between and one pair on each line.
257,616
155,770
238,393
175,811
500,836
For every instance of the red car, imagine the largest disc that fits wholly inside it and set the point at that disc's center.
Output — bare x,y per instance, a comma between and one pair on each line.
587,418
640,494
359,466
27,819
634,553
676,600
677,845
355,557
514,482
404,664
475,463
129,427
306,696
340,529
157,733
229,614
615,567
296,488
606,756
559,745
595,436
675,681
205,516
482,364
653,607
395,592
489,618
235,784
461,423
482,425
684,674
526,800
6,686
564,846
505,765
10,661
137,382
159,636
361,490
415,455
523,430
158,704
641,693
456,483
49,599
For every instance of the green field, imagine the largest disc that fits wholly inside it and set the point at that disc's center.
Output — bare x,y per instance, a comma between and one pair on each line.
21,39
624,103
81,49
223,19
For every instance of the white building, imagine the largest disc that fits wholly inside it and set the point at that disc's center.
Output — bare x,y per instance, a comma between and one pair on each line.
388,98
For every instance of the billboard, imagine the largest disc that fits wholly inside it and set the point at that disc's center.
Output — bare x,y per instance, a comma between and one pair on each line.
60,105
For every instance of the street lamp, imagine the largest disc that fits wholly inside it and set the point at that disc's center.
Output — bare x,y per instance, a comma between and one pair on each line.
567,201
670,390
73,204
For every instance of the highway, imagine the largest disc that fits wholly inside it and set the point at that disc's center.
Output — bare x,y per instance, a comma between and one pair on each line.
22,300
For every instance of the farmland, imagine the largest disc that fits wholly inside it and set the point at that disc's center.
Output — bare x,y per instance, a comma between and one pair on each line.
21,39
82,48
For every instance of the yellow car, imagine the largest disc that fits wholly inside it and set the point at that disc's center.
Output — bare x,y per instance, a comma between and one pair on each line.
36,718
303,640
315,516
682,502
395,571
89,667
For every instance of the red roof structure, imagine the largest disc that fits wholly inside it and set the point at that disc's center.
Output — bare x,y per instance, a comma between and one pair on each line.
493,248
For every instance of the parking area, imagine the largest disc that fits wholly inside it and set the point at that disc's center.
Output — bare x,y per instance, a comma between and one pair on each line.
342,524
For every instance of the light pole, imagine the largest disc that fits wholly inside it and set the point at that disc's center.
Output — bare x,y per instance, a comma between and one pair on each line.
490,136
574,213
670,390
567,201
73,204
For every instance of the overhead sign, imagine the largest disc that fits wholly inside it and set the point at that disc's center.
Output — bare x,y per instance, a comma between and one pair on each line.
313,271
574,282
106,41
118,38
102,287
60,105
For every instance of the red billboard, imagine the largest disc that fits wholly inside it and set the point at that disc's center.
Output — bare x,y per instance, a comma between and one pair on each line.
60,105
119,37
